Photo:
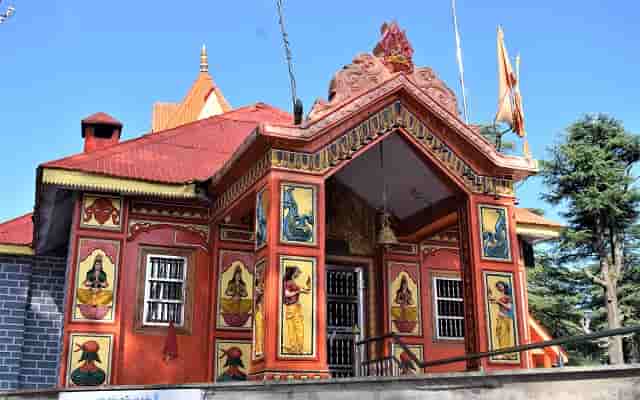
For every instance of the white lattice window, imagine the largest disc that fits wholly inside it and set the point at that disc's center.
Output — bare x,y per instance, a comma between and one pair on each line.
165,290
449,307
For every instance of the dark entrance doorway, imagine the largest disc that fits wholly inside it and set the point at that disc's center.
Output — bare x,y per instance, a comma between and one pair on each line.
344,289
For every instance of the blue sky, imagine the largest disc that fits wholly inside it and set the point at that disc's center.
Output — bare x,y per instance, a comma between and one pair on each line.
61,61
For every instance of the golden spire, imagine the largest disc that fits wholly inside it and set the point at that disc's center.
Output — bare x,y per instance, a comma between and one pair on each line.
204,62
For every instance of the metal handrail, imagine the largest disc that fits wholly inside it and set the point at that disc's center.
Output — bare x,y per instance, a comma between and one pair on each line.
532,346
474,356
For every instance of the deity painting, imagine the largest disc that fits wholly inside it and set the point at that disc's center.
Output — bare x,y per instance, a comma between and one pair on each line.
232,360
298,214
258,311
101,212
297,318
406,365
501,315
96,280
494,232
235,290
404,296
89,361
262,208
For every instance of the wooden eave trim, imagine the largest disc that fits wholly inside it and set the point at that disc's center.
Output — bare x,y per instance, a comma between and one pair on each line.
308,132
18,249
78,180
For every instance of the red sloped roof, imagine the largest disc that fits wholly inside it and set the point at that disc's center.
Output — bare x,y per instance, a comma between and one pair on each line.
525,216
18,231
194,151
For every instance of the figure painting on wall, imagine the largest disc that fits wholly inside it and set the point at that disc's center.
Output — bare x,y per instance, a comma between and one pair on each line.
258,313
95,280
235,290
298,214
89,361
495,233
232,361
261,218
297,306
501,315
404,292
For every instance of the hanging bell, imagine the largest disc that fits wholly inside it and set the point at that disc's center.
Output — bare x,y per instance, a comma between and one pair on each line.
386,235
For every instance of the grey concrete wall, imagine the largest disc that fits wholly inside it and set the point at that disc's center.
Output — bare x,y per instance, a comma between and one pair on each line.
604,383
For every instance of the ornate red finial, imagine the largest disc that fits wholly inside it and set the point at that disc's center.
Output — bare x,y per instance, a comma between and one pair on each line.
394,48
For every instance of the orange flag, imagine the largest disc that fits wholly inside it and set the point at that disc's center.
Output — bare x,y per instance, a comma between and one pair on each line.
510,109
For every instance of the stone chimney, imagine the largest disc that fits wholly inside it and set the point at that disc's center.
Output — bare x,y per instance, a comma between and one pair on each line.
100,131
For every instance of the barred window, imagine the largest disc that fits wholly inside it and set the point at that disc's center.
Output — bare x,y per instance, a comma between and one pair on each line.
449,308
164,292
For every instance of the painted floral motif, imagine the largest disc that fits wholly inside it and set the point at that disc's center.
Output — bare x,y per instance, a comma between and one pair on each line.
501,315
298,214
101,212
495,234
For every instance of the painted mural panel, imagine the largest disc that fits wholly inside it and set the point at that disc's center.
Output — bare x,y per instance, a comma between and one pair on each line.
404,298
494,233
258,310
501,315
298,214
89,359
297,307
96,280
232,360
101,212
407,365
262,211
235,290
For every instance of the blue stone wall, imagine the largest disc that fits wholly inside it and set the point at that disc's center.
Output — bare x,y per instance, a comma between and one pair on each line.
31,317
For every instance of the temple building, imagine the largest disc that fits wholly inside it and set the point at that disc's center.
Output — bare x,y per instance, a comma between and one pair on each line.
241,243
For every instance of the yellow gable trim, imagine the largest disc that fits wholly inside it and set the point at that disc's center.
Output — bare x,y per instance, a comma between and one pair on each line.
16,249
538,231
88,181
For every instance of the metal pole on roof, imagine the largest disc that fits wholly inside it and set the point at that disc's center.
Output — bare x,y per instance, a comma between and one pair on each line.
287,51
459,59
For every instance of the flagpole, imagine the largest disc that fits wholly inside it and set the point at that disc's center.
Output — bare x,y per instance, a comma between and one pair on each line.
459,58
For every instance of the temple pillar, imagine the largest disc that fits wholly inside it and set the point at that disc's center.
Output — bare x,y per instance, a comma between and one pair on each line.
289,340
494,313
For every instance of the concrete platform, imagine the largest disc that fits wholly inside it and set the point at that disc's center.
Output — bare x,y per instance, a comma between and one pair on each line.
599,383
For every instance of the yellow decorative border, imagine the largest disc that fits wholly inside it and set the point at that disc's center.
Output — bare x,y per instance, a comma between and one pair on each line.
16,249
538,231
89,181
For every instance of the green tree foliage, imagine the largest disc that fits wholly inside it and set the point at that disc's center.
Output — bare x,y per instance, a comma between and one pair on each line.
591,173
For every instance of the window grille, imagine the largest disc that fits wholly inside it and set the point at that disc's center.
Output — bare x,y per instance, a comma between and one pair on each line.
449,308
164,292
